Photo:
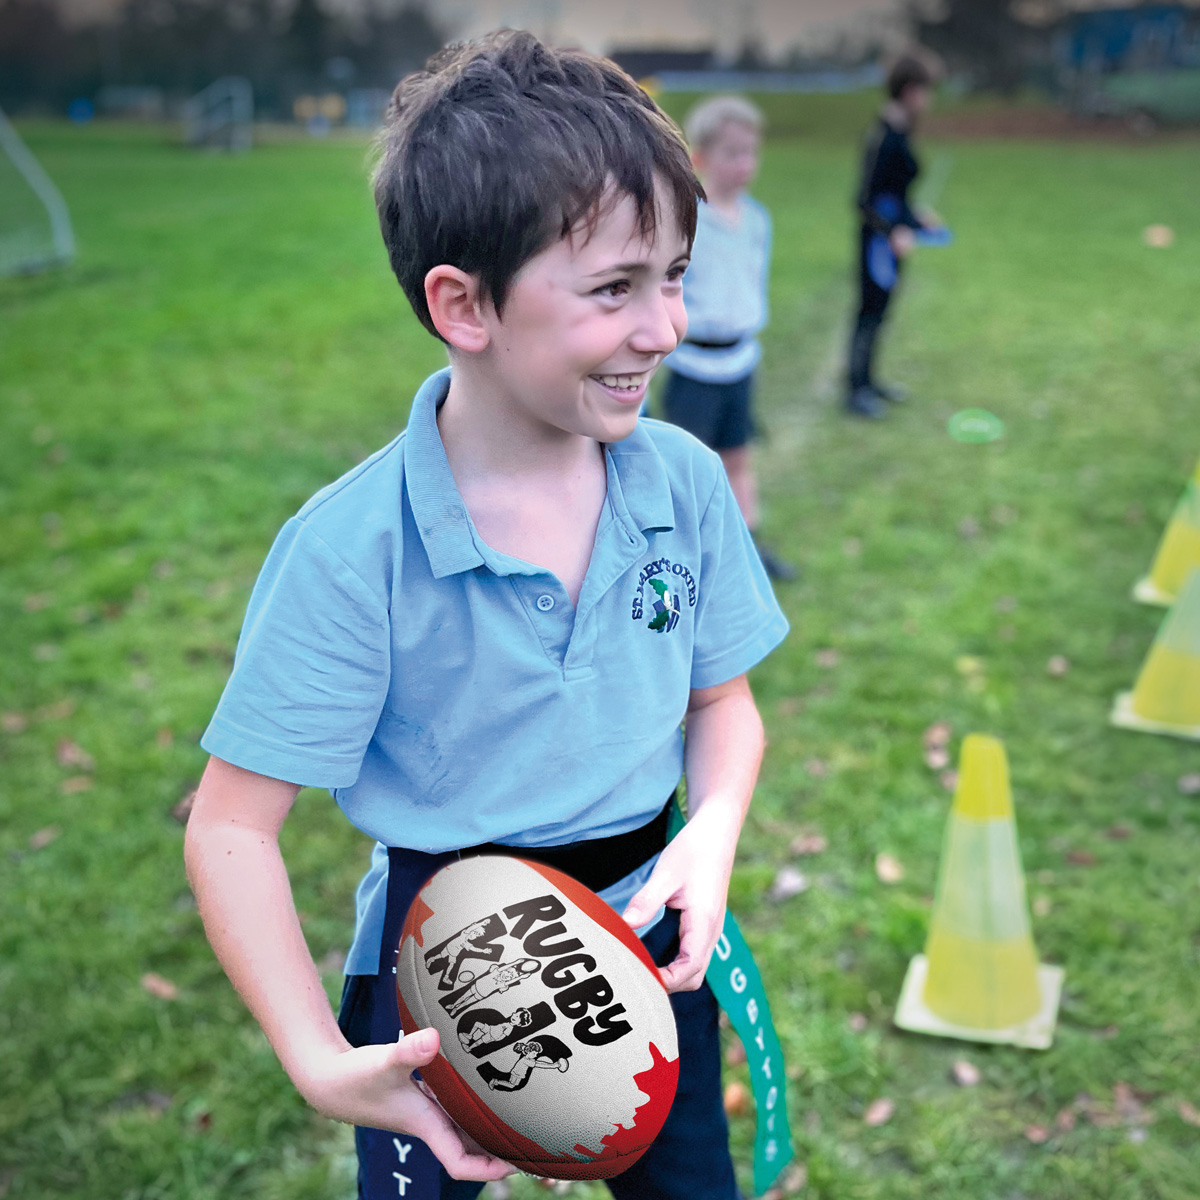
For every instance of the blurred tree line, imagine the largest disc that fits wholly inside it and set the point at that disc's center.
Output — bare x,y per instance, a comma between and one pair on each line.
180,46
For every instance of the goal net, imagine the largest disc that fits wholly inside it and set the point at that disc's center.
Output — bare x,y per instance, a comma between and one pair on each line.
35,226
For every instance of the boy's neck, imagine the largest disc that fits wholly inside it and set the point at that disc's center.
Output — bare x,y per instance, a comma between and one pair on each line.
728,203
897,116
485,435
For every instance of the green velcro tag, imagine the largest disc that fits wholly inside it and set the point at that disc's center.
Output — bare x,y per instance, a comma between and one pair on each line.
734,978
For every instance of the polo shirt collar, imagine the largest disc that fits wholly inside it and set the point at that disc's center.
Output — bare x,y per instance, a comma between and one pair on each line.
645,486
441,516
437,505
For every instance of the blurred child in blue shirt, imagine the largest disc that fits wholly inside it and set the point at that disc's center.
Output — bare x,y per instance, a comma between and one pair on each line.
709,390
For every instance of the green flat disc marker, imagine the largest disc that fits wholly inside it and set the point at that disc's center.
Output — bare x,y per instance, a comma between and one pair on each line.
975,425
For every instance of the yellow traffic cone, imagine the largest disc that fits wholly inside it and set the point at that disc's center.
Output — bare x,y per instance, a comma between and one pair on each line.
1178,552
979,977
1166,697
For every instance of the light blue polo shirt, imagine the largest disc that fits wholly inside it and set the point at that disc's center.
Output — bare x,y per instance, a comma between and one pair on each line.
449,695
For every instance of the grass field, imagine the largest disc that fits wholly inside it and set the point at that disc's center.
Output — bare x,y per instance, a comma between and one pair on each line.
230,340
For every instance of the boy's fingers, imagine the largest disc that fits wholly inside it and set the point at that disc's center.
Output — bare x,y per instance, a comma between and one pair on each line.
446,1142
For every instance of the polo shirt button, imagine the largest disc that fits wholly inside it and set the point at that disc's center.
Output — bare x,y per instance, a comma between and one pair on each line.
545,603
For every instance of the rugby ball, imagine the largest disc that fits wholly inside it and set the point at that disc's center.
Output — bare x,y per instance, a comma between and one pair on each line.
558,1049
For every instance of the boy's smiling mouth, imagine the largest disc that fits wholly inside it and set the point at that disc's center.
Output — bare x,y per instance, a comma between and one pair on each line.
628,384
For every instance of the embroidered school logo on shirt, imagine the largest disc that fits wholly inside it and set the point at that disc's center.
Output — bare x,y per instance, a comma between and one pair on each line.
660,586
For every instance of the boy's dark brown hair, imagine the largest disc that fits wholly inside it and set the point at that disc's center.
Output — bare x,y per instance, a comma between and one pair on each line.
499,147
910,70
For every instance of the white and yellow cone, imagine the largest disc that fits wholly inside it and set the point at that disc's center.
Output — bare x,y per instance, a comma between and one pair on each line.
979,977
1166,697
1178,552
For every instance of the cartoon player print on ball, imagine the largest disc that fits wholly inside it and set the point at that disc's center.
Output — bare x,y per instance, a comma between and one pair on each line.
478,941
492,982
546,1053
487,1027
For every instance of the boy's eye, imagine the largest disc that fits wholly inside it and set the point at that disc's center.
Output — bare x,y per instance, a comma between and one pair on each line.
618,287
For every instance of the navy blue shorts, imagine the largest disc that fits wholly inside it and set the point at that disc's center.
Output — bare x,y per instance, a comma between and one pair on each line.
690,1157
721,415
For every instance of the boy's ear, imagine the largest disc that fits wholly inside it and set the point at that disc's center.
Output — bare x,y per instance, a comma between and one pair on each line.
455,307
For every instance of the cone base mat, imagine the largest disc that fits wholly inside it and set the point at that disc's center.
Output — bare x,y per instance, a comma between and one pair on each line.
1035,1034
1123,716
1146,591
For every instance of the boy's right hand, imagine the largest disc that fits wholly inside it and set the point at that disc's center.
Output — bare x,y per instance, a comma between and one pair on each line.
902,239
373,1086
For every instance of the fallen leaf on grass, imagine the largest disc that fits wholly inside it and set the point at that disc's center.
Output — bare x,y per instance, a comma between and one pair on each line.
788,883
851,547
965,1074
968,528
888,868
735,1055
45,652
879,1112
948,780
1058,666
43,837
164,739
1037,1134
1189,785
36,601
157,986
937,735
737,1098
1158,237
937,758
1081,858
183,808
70,754
1042,906
1130,1104
809,843
76,784
1118,833
818,768
60,710
858,1022
1064,1122
1006,604
1188,1113
1004,514
828,658
13,722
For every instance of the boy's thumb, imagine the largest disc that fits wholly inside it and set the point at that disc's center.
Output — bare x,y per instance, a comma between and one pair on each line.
642,907
417,1049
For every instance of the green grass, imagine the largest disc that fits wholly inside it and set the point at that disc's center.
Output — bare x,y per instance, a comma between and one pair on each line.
230,340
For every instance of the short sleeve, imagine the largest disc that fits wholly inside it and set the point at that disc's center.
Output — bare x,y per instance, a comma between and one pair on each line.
738,620
311,672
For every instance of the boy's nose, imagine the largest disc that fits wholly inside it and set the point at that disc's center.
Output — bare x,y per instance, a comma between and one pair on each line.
661,328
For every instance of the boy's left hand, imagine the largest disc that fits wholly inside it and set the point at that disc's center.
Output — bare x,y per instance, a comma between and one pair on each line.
692,875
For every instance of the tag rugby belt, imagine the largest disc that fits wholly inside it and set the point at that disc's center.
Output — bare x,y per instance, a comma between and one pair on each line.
599,862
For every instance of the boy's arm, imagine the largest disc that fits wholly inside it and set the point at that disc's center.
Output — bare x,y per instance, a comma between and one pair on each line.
721,758
241,885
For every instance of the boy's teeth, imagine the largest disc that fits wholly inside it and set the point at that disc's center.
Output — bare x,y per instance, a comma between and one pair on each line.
620,381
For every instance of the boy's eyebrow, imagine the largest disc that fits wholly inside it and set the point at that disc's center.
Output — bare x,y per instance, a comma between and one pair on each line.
631,268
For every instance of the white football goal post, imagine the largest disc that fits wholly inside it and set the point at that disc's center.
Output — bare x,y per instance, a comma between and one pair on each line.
221,116
35,225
